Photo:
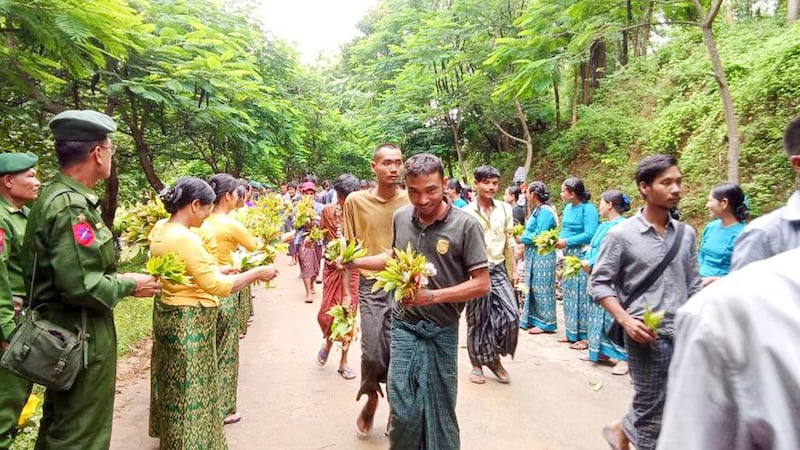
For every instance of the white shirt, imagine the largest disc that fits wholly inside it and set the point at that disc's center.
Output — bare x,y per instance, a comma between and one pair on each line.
496,229
734,381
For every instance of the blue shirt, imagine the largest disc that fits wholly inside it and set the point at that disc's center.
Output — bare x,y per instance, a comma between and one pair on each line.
579,223
542,219
716,248
460,203
598,237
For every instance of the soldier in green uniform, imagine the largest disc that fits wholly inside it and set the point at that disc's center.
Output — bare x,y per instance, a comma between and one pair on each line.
18,188
70,266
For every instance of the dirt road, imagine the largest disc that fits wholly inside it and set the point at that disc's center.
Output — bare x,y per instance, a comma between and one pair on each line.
288,402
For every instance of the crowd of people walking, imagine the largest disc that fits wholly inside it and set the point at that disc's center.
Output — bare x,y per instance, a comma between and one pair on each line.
717,337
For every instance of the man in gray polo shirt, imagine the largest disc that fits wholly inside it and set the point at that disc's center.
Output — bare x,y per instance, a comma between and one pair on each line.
778,231
423,368
628,254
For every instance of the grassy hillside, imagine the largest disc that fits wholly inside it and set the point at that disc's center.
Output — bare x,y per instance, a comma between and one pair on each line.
669,103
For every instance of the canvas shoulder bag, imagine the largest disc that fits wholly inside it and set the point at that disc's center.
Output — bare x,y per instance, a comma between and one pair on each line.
41,351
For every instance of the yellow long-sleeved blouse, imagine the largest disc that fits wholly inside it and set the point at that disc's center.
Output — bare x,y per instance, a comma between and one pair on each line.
207,282
230,234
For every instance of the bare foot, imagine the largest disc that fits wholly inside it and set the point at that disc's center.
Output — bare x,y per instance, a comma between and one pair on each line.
364,420
615,436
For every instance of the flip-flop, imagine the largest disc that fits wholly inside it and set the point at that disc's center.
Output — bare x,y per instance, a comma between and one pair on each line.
610,437
564,340
617,371
537,330
233,418
501,373
346,373
476,376
322,357
365,433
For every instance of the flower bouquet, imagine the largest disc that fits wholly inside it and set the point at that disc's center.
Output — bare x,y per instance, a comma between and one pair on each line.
305,213
572,266
134,224
516,230
347,251
652,319
546,242
343,327
405,274
170,267
316,235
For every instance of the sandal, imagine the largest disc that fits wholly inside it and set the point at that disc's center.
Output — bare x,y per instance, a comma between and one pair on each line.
580,345
621,368
564,340
476,376
322,357
367,419
346,373
501,373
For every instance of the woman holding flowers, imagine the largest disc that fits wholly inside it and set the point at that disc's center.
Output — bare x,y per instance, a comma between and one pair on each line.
579,222
309,249
539,309
230,234
613,204
187,414
332,278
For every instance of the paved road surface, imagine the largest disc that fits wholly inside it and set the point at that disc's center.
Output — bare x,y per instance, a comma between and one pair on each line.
288,402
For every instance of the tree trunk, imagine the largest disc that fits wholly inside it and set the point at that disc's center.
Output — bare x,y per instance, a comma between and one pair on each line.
643,35
111,196
523,122
598,64
623,57
557,99
575,96
136,126
792,10
461,166
724,91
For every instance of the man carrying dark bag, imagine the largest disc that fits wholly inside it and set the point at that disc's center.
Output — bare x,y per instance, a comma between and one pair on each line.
629,259
69,264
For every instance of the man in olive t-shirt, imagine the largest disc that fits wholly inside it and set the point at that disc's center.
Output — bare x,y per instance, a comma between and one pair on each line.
424,339
368,219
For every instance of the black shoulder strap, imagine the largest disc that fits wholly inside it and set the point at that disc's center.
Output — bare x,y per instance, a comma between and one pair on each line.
659,269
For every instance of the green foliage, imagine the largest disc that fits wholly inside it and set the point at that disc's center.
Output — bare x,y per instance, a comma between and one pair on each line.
169,267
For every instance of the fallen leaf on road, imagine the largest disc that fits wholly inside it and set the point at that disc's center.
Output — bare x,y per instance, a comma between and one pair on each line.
596,385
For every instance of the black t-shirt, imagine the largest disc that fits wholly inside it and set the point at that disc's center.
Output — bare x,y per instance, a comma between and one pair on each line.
454,245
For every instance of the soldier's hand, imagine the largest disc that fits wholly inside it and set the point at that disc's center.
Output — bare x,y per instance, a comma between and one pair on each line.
146,285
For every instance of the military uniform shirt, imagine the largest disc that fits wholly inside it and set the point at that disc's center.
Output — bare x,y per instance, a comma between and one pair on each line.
12,230
72,249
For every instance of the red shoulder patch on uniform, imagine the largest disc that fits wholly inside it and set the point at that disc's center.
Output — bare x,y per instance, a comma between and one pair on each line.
84,233
2,240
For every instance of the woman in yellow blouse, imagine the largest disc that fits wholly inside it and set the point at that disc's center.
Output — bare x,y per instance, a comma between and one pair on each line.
230,234
187,414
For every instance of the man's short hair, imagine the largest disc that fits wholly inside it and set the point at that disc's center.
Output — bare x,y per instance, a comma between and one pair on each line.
791,137
382,146
652,166
424,164
485,172
70,153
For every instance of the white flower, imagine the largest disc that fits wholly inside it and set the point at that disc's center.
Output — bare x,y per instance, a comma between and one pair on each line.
423,282
430,270
406,276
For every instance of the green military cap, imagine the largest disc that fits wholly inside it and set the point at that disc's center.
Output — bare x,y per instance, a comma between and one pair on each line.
16,162
82,126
